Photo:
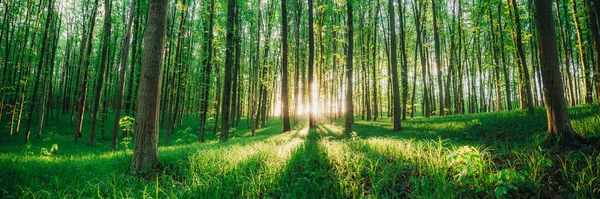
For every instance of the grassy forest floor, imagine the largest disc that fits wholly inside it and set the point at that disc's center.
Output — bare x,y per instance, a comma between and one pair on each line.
466,156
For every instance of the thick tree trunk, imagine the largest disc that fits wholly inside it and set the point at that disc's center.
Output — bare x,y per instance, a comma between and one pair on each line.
559,124
145,152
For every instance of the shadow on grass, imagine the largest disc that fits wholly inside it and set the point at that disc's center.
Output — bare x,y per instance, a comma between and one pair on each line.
308,172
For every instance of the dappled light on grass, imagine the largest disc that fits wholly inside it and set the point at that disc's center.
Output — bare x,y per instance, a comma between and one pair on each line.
494,155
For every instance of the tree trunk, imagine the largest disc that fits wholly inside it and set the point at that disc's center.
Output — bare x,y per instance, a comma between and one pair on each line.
525,82
311,61
103,63
394,68
145,152
559,124
436,38
207,63
122,69
284,68
229,48
40,70
587,82
349,119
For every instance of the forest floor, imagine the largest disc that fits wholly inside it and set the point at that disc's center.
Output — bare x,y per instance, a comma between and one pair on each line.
465,156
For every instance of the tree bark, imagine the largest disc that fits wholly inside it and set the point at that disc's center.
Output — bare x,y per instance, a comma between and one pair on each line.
349,119
122,71
284,68
229,48
559,124
394,68
145,152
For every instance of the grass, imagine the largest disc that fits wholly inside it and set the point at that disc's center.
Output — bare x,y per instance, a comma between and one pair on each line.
491,155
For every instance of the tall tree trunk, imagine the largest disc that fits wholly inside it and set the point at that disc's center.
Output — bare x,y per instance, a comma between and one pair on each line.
419,31
207,63
103,63
374,63
525,82
311,61
559,124
349,119
145,152
587,82
438,61
404,68
229,48
394,67
40,70
85,59
284,68
122,69
593,17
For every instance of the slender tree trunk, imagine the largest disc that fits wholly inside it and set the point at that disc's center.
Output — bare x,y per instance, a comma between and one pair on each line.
122,69
587,82
226,101
207,63
394,68
349,119
284,68
526,81
103,63
311,61
438,63
40,70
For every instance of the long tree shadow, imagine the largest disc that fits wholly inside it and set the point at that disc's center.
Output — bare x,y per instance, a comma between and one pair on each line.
308,172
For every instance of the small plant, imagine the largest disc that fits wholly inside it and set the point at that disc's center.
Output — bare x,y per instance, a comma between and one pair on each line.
354,136
127,123
49,152
126,141
467,161
231,130
506,180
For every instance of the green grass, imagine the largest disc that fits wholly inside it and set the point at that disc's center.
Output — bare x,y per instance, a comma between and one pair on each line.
467,156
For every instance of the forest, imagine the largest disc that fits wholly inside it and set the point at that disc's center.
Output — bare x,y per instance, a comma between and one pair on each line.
300,99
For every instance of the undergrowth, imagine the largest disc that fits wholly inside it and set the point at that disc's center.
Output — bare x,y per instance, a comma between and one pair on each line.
491,155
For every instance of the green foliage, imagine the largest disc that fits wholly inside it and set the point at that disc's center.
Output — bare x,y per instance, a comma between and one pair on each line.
127,123
505,180
48,152
430,158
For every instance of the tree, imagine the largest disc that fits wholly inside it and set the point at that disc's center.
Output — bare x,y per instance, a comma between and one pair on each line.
122,69
226,101
527,99
145,152
349,106
103,63
284,69
394,63
311,61
559,124
438,63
